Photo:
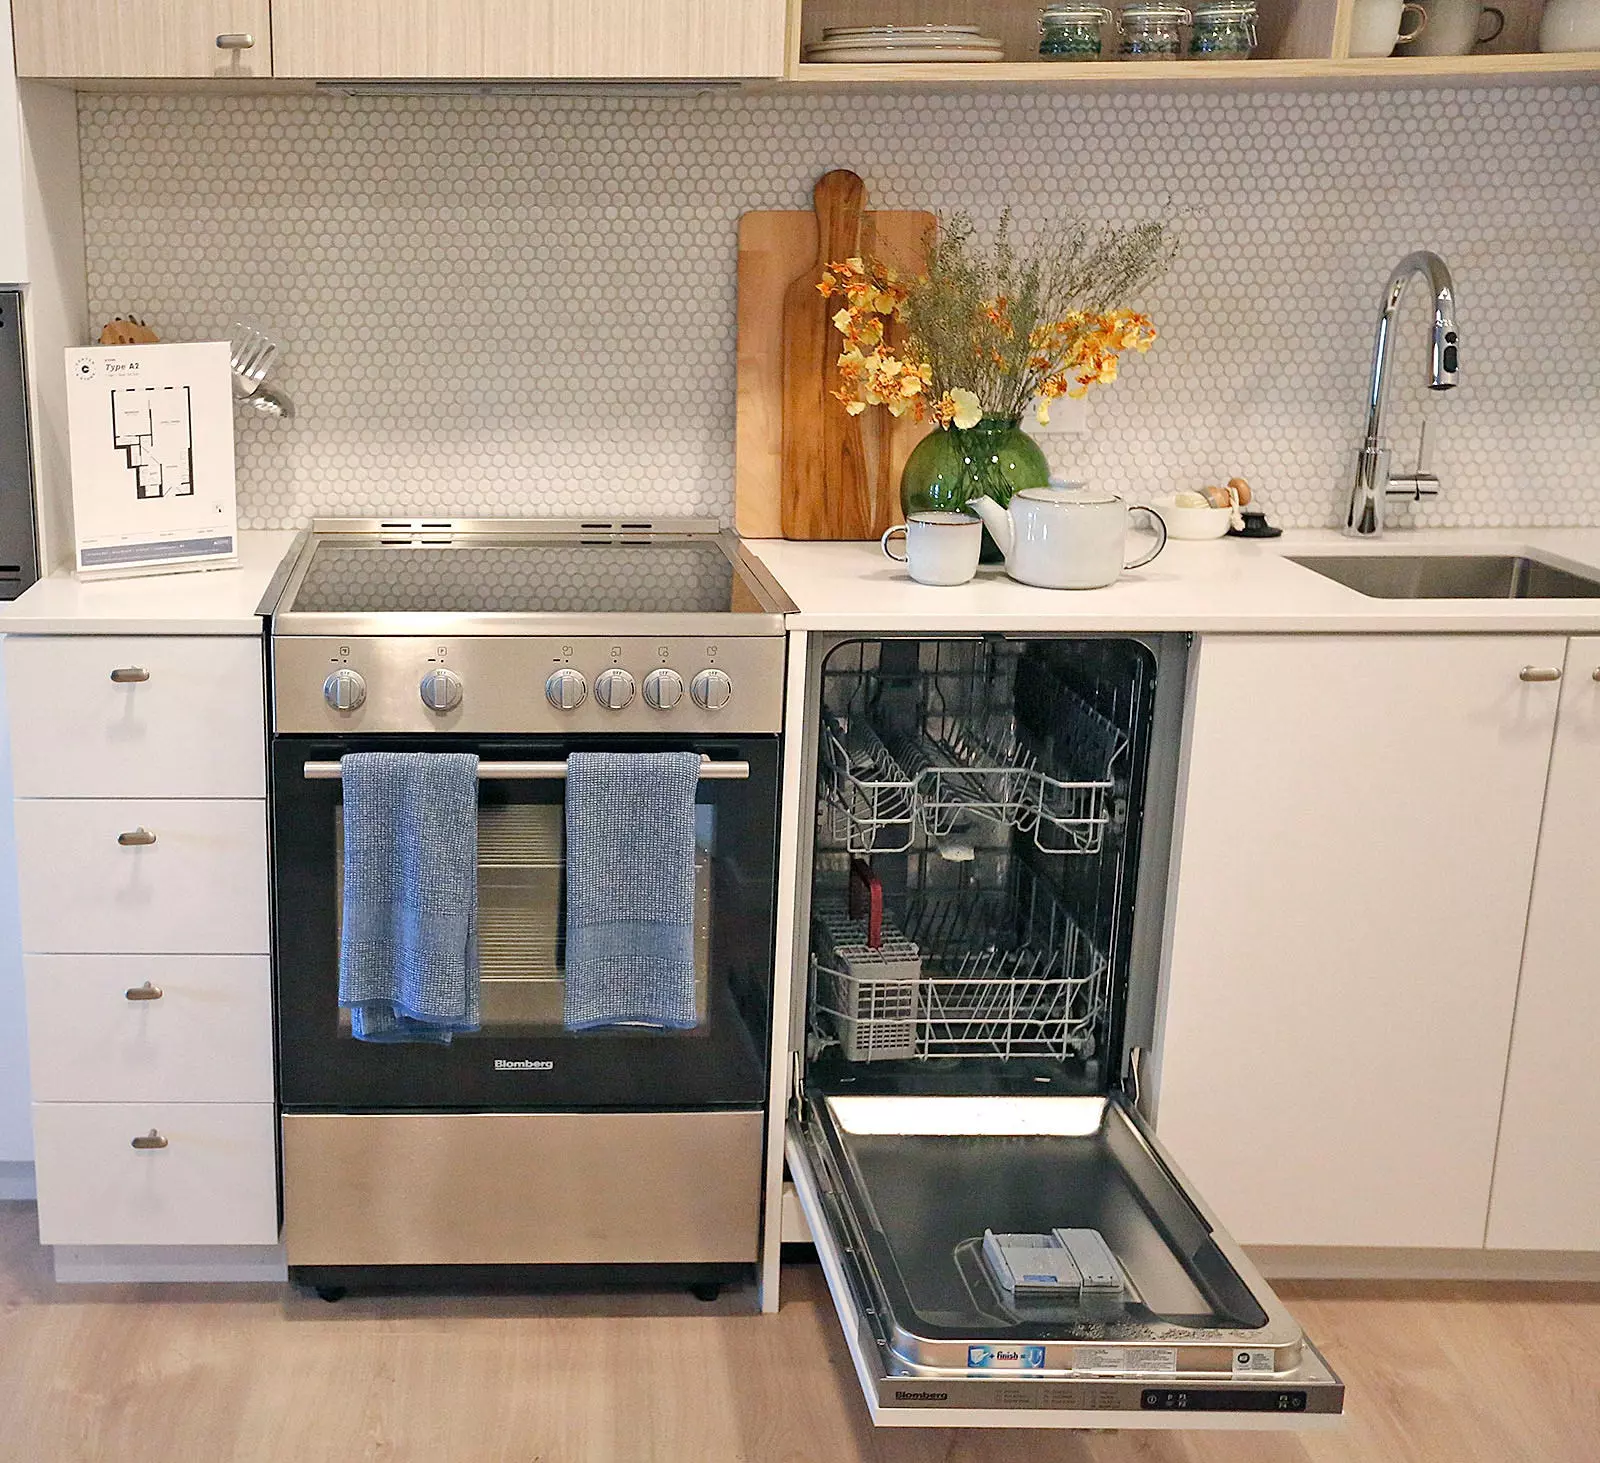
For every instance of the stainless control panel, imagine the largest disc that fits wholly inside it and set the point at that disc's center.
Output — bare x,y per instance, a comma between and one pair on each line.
527,685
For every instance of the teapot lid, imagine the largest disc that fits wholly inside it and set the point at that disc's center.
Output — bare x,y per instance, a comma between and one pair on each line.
1061,491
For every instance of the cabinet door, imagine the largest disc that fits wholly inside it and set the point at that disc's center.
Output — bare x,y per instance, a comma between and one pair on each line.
71,38
1547,1172
1357,848
555,38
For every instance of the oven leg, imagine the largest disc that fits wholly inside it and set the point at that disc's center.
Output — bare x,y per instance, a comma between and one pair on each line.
331,1293
707,1291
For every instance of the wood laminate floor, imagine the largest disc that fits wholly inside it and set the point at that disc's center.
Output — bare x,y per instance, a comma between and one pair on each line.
235,1374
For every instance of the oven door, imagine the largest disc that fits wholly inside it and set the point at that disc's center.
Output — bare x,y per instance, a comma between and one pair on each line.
523,1058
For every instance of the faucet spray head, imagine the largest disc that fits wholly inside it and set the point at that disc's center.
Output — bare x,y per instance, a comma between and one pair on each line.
1445,340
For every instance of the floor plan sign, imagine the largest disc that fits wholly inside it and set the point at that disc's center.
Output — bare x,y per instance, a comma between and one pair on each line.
151,430
153,426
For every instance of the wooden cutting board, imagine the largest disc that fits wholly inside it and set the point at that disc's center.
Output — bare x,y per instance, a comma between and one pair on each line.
776,247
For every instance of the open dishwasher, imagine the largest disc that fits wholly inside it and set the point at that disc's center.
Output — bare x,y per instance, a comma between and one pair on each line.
1006,1242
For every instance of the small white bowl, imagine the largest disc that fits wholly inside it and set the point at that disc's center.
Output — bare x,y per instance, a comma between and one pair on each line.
1193,523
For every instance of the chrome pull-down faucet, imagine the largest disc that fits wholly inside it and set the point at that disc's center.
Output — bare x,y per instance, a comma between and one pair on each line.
1364,514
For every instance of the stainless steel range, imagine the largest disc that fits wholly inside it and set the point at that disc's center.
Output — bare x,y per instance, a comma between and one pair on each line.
525,1143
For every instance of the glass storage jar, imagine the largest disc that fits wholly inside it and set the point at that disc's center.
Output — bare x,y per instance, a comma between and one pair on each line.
1224,30
1150,31
1071,32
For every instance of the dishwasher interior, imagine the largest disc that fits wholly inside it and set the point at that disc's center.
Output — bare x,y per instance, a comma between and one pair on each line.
1000,1227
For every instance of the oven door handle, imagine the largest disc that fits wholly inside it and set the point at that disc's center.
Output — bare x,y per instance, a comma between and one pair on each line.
544,771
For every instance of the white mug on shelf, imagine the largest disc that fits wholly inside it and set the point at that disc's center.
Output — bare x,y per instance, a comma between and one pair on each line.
1377,26
941,548
1454,27
1570,25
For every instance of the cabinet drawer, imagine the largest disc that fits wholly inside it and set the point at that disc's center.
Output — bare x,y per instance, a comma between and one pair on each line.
200,887
184,719
171,1028
214,1182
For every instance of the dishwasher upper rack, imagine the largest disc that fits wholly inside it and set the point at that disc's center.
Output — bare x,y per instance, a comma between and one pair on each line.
884,784
1005,972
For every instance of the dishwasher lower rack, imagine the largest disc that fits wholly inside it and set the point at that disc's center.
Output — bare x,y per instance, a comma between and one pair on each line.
976,972
887,776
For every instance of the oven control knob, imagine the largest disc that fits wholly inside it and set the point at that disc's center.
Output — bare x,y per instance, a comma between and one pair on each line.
345,689
613,688
565,689
441,690
711,690
663,689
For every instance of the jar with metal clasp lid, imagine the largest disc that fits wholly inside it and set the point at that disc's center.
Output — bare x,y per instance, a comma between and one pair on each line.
1150,31
1224,30
1072,32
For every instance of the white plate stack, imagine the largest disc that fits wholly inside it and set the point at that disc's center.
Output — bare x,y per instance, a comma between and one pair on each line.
876,45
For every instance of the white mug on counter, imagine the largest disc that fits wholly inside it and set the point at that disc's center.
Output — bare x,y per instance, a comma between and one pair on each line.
1377,26
1570,25
941,548
1454,27
1068,537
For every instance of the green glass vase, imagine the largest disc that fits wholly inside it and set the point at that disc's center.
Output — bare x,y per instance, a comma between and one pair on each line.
950,467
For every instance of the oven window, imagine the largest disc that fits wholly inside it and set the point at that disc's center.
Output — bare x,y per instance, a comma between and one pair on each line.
522,918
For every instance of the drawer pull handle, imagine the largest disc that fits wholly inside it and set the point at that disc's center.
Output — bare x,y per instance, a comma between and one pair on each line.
1596,675
151,1140
235,41
1540,673
126,675
145,992
139,838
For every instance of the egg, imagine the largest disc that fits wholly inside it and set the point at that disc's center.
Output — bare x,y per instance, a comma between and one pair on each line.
1242,488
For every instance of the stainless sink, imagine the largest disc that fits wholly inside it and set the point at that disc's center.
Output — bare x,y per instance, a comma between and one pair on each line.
1452,576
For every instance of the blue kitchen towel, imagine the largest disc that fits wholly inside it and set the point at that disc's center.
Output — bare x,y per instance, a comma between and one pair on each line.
408,951
630,889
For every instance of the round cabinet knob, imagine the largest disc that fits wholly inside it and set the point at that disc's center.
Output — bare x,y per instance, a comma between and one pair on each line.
345,689
565,689
613,689
663,689
712,690
441,690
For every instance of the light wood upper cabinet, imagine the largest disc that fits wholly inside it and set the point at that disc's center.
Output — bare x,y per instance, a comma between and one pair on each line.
143,38
512,39
1357,849
1547,1174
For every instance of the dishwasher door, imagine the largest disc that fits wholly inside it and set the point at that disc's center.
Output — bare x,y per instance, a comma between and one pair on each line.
911,1199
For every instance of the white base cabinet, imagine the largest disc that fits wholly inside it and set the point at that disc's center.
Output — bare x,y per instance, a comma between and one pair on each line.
141,830
1357,850
1547,1174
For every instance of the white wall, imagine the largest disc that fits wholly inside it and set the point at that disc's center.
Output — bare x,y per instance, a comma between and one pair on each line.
13,253
16,1133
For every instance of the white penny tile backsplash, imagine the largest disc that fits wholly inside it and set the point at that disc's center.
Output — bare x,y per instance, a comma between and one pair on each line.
526,305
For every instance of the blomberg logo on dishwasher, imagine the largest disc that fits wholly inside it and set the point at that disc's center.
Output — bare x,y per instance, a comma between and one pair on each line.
502,1065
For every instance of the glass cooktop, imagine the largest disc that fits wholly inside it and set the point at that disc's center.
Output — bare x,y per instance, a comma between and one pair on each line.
674,577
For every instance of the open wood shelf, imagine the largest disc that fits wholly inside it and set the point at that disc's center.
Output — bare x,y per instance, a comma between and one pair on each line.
1113,74
1301,43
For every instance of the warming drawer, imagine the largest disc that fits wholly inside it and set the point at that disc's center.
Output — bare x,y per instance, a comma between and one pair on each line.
900,1193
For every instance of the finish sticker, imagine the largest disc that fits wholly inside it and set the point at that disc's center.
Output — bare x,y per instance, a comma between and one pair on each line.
1005,1358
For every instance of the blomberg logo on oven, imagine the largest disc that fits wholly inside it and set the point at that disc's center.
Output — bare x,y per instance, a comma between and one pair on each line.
502,1065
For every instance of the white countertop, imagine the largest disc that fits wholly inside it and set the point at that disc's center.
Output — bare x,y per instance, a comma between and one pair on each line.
204,602
1229,585
1232,585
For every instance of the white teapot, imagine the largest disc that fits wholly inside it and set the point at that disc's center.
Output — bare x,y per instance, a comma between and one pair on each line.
1066,536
